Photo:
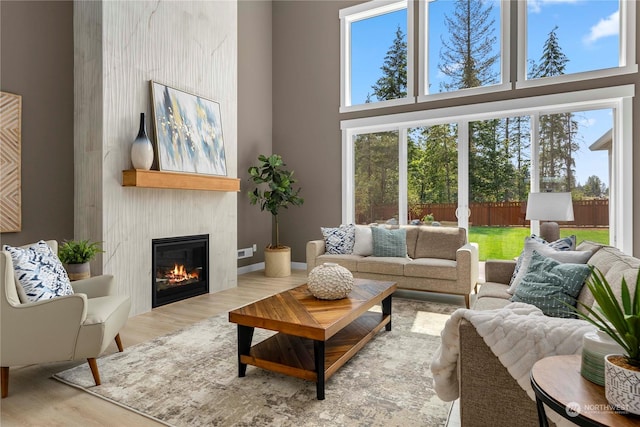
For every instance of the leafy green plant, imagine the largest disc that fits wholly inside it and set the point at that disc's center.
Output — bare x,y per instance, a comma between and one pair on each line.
618,319
428,218
78,251
274,189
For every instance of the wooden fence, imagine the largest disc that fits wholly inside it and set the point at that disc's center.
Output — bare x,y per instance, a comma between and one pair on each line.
587,213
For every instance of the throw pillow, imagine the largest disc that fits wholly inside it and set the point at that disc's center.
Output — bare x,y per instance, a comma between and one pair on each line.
550,285
389,243
576,257
340,240
364,241
564,244
39,271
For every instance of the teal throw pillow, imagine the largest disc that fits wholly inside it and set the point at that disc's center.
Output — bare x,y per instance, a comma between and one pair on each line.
389,243
548,284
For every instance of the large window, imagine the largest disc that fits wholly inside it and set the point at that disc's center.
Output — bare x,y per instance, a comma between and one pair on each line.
376,54
564,41
477,163
464,47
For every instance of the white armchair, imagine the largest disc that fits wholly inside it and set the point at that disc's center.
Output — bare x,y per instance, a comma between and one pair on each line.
71,327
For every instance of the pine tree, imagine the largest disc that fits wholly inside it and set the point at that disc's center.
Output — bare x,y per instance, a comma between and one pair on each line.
558,132
468,56
553,61
393,83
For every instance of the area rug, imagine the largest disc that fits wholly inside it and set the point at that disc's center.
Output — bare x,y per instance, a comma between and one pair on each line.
190,378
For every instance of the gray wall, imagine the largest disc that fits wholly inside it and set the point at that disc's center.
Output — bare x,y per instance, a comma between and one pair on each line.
304,39
254,118
36,62
306,122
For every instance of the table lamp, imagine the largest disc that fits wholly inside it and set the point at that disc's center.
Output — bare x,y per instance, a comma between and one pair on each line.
550,207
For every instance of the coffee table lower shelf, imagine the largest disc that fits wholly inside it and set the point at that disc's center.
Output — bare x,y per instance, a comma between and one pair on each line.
296,356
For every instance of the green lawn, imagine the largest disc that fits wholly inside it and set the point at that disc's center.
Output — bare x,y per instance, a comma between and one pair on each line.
507,242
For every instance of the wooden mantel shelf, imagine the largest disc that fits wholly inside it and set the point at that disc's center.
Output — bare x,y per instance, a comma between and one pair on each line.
178,180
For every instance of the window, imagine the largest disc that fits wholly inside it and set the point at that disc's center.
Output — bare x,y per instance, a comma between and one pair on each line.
452,160
564,41
465,47
376,55
376,177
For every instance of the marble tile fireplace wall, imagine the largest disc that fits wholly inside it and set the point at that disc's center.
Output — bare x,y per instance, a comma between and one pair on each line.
119,48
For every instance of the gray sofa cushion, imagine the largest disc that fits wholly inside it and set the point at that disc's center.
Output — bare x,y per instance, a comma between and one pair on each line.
433,268
383,265
440,242
350,262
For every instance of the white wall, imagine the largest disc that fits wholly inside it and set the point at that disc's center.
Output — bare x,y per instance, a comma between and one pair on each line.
119,47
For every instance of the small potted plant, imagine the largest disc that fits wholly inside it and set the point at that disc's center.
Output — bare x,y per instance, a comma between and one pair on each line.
274,191
428,218
75,256
621,321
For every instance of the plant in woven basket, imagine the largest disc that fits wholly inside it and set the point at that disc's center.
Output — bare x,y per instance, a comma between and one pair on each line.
78,251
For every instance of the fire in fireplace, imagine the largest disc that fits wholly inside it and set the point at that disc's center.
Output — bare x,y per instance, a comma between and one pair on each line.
180,268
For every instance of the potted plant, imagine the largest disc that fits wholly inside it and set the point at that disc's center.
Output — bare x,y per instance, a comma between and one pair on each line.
621,321
274,191
75,256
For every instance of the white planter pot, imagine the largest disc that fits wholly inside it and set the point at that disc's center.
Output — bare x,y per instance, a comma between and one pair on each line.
622,386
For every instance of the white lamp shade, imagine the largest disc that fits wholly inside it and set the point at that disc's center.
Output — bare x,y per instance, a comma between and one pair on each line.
550,207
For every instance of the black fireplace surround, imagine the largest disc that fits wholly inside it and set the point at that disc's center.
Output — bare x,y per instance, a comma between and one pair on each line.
180,267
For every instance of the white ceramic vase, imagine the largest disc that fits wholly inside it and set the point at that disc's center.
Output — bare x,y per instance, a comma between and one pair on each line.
141,149
330,281
622,386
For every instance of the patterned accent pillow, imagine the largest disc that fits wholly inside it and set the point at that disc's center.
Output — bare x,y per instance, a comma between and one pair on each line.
389,243
576,257
564,244
39,271
340,240
549,284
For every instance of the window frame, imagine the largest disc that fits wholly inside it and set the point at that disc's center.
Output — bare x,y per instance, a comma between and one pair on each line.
423,58
359,12
618,98
627,51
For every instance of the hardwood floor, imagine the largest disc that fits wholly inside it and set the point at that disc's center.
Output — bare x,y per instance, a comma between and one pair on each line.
35,399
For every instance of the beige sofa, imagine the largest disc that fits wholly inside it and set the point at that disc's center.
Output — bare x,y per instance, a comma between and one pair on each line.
439,260
488,393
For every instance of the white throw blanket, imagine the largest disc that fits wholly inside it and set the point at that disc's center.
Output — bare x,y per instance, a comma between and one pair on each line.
518,334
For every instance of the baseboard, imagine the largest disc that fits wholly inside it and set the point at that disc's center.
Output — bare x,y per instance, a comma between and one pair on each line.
260,266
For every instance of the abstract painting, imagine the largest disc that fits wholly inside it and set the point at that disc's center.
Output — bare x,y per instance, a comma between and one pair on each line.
10,164
188,132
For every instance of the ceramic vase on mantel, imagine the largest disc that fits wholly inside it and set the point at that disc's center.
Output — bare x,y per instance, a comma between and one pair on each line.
141,149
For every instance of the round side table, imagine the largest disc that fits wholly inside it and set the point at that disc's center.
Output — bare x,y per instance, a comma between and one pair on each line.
557,383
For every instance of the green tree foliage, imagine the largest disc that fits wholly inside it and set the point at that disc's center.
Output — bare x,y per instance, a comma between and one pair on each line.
467,56
594,187
393,83
376,175
558,132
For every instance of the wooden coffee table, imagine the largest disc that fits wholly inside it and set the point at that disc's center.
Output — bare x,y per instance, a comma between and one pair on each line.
316,337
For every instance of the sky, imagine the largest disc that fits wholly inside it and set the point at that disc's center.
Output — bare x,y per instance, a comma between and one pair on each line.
587,32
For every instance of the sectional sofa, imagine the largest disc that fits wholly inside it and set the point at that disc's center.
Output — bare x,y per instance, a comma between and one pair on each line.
489,395
438,259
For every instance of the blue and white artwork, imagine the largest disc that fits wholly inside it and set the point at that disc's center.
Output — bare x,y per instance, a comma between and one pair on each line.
188,132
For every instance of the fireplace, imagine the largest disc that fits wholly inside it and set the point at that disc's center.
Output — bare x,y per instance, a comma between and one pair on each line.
180,268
